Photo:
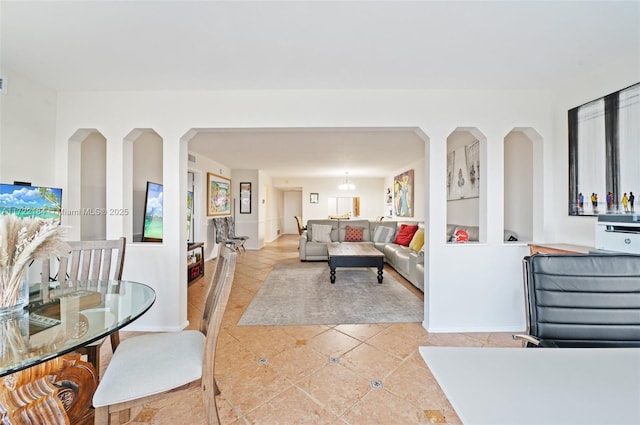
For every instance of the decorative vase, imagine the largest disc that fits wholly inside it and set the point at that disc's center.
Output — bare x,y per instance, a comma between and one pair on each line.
14,290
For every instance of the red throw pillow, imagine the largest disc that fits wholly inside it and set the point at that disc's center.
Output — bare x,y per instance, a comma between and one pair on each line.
406,234
353,234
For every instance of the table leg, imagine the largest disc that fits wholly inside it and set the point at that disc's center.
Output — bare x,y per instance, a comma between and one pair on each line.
333,274
380,273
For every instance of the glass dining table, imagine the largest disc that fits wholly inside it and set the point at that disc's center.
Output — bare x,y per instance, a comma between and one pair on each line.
39,369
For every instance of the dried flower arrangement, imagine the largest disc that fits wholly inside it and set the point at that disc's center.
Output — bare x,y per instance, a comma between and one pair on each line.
21,241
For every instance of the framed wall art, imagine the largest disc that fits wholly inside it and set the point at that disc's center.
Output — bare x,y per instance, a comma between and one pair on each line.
403,194
245,198
463,172
313,198
603,154
218,195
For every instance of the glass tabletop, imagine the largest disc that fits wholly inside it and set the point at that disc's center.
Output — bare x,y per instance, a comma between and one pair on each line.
63,316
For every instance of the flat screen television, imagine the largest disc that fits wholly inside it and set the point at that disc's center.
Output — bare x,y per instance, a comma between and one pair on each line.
31,201
189,216
152,228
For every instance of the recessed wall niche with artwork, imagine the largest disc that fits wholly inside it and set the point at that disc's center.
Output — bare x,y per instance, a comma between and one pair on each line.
466,205
604,152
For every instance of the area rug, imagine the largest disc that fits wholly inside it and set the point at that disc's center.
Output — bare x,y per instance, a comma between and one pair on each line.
302,294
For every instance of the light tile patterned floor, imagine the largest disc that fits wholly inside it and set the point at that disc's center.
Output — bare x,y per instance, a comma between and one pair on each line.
343,375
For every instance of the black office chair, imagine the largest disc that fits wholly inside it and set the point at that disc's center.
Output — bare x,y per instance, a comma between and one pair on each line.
590,300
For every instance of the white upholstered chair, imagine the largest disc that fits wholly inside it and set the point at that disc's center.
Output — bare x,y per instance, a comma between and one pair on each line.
89,260
147,367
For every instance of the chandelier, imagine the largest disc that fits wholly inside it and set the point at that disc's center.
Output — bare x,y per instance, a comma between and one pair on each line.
346,185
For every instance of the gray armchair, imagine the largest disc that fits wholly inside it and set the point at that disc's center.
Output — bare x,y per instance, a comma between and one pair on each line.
588,300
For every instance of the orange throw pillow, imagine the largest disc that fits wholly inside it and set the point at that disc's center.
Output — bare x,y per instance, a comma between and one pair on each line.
406,234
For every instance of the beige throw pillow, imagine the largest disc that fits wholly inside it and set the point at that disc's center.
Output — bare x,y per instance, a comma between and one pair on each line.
383,234
321,232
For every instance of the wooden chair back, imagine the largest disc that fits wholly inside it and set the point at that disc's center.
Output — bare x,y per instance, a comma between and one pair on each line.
301,227
112,406
214,307
90,260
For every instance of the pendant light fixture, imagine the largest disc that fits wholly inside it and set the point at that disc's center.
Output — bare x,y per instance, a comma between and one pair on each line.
346,185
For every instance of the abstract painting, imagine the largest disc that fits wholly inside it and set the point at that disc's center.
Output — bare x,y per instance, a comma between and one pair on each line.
403,194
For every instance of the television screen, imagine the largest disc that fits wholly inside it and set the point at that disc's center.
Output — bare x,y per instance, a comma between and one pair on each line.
189,216
31,201
152,231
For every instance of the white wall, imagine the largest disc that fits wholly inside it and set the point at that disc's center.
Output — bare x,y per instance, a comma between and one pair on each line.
292,207
27,132
93,186
518,185
470,287
459,298
370,191
592,85
247,224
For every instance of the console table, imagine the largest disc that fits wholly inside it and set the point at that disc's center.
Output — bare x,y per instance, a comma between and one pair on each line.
558,248
195,261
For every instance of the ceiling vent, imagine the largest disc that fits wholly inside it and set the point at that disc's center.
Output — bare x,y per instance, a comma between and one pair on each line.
192,158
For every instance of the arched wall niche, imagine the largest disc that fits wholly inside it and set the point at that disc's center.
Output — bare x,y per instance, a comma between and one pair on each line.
466,183
143,157
522,157
85,210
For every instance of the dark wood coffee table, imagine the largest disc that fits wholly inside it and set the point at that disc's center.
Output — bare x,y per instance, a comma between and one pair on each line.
354,254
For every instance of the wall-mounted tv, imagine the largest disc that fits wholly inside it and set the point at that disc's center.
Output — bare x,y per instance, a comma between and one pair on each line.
152,228
31,201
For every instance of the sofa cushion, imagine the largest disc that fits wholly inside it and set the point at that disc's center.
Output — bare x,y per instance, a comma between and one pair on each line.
313,250
405,234
383,234
321,232
418,240
353,234
344,224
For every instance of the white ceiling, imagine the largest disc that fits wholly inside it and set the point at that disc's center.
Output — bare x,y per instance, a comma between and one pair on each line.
324,152
264,45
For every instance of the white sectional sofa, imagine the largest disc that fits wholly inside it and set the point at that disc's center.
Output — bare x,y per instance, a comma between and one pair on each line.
406,261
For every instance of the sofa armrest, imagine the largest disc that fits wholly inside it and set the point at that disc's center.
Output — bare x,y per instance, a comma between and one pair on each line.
302,246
